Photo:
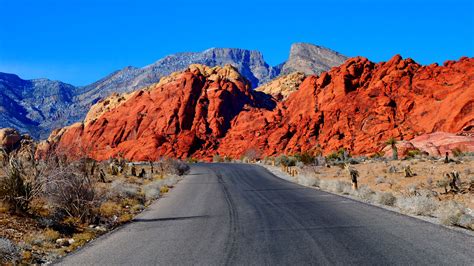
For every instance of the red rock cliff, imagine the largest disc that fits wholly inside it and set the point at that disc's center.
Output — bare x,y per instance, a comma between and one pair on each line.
201,111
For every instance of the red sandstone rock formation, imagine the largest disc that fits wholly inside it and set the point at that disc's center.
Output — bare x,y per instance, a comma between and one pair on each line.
185,116
434,144
358,106
203,111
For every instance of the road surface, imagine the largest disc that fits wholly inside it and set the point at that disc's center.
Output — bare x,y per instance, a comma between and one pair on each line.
237,214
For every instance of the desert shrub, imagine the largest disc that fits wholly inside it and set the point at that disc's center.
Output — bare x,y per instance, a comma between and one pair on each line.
21,185
152,189
443,183
332,156
109,208
450,212
170,181
336,186
192,160
308,181
284,160
339,155
385,198
413,153
305,157
252,154
466,221
170,166
418,205
217,158
125,218
72,194
457,152
82,238
9,252
377,155
365,193
50,235
429,182
380,180
120,189
164,189
392,169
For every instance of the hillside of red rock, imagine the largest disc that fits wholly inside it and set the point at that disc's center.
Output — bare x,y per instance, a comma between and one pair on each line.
203,111
184,115
359,105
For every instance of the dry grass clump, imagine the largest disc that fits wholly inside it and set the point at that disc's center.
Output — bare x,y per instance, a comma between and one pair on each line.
51,235
164,189
385,198
121,189
109,209
73,195
365,193
82,238
308,181
380,180
418,205
454,213
9,252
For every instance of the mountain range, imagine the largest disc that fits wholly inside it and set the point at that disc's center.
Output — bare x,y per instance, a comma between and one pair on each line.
38,106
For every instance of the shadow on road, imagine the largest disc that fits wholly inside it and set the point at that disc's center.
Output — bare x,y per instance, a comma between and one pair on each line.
139,220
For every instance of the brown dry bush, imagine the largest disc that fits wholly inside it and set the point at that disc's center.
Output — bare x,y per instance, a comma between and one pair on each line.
22,183
168,166
72,192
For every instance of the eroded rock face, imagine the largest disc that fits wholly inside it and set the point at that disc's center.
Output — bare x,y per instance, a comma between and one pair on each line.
13,143
183,117
357,106
9,138
281,87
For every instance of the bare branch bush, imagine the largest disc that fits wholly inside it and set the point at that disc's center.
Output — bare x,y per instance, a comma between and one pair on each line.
23,179
71,190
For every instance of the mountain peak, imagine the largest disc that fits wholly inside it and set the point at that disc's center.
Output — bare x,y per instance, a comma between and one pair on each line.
311,59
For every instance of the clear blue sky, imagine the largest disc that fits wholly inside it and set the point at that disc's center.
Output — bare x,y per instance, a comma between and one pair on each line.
80,41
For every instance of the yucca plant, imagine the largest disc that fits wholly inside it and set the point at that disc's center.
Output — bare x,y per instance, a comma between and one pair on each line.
393,143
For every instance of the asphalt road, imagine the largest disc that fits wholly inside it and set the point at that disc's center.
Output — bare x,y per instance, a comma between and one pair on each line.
243,215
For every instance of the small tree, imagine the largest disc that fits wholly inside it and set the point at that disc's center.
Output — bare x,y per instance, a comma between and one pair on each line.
354,174
72,193
408,171
454,179
21,184
393,143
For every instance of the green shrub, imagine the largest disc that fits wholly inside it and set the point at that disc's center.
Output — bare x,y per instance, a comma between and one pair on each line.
305,157
457,152
413,153
284,160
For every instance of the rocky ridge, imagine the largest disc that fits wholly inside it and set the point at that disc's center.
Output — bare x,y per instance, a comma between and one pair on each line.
357,106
